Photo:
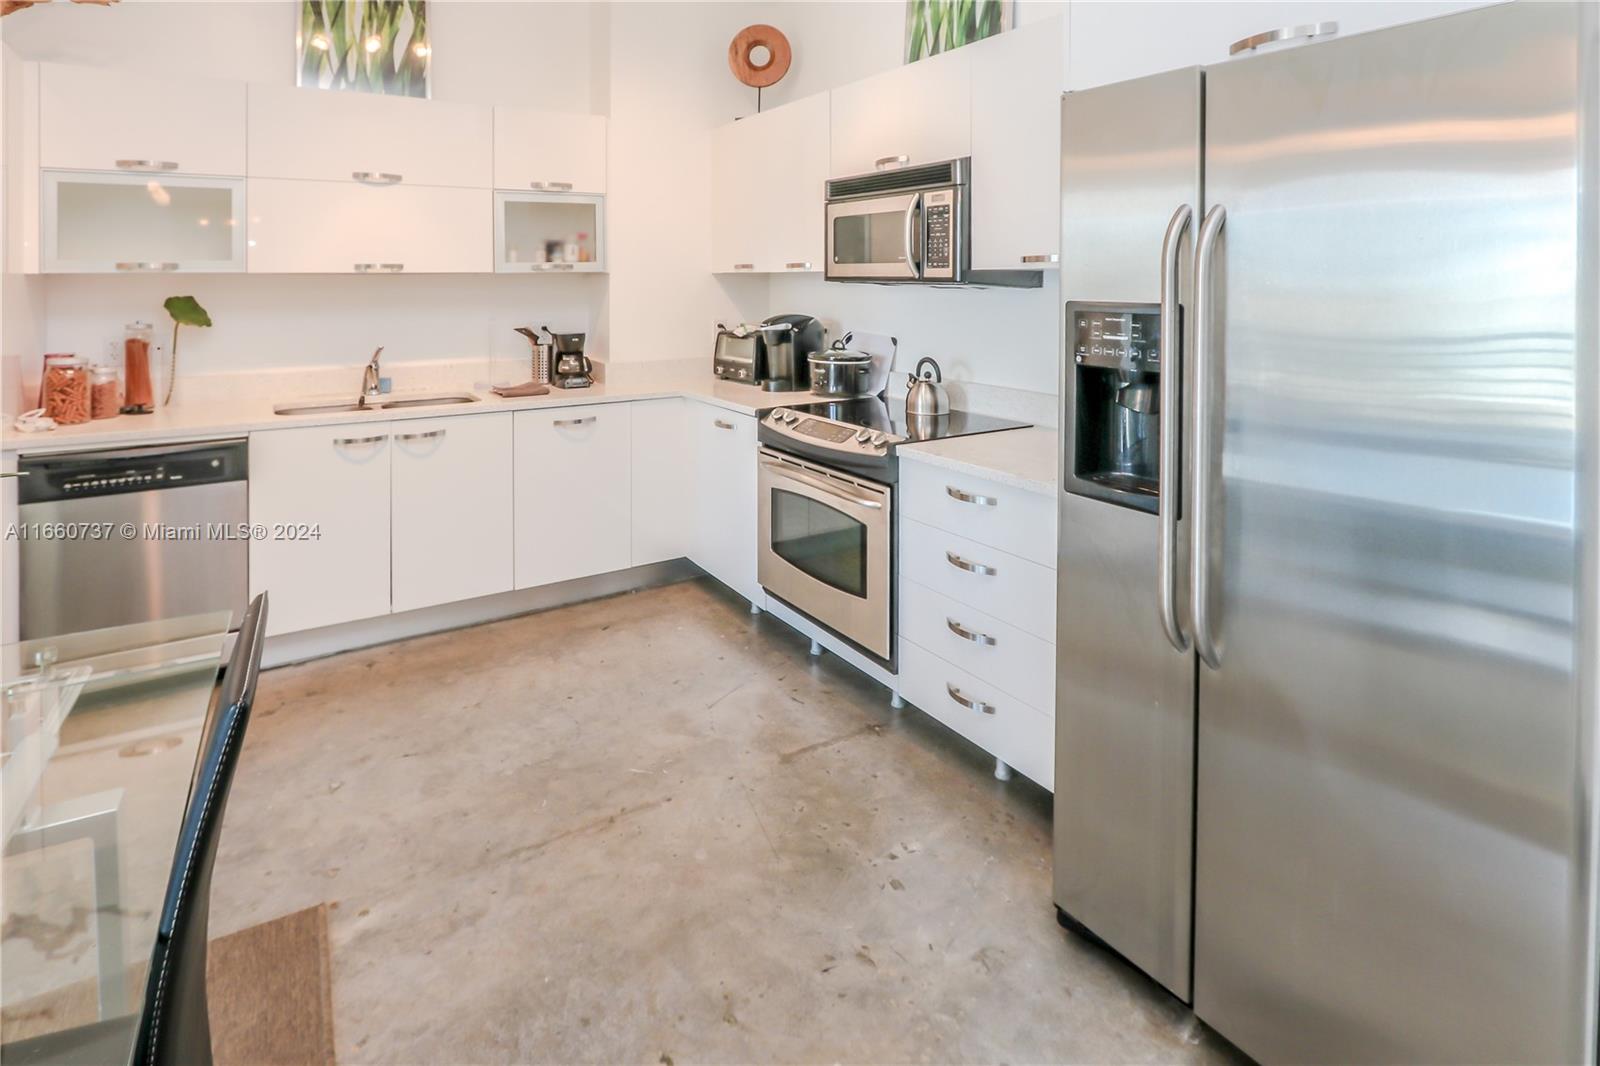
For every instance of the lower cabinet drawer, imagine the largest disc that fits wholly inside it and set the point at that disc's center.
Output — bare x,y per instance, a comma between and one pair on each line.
1004,585
1003,656
1002,516
1001,725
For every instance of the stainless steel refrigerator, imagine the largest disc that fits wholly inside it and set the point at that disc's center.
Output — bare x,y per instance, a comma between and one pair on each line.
1328,571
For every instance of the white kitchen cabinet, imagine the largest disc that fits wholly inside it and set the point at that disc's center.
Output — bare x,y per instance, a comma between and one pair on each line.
573,496
368,138
451,509
322,493
739,229
114,222
333,227
549,151
1112,41
768,173
537,232
724,501
96,118
1017,80
910,115
662,480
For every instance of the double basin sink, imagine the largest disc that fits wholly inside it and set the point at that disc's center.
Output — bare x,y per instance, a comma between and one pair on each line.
443,399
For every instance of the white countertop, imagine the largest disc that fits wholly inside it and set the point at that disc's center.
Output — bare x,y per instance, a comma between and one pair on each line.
1025,458
199,421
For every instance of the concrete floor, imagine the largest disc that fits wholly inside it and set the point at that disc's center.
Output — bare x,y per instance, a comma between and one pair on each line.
650,829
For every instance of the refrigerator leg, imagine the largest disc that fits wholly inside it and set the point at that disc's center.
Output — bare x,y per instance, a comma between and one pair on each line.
816,649
895,699
1002,772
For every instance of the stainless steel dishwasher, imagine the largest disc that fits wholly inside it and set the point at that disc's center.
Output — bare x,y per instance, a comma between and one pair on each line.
108,538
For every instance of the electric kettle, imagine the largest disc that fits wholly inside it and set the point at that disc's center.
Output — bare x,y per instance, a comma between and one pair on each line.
925,392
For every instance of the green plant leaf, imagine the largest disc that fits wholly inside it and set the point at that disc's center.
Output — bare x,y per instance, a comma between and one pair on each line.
186,311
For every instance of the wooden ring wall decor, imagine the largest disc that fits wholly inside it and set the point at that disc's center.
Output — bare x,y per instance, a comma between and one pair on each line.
748,40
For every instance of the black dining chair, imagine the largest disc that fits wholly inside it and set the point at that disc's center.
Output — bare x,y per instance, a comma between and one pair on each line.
174,1028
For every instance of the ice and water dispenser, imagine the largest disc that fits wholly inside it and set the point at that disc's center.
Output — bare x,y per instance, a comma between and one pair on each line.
1115,352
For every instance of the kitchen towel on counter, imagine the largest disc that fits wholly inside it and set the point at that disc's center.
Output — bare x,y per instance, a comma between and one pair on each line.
527,388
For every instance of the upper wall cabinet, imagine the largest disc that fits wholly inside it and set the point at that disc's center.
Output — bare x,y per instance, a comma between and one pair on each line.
340,227
376,140
1016,147
767,181
548,151
139,223
548,232
96,119
1114,41
918,113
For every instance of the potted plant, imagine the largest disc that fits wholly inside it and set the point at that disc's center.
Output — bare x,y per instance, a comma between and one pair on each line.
185,311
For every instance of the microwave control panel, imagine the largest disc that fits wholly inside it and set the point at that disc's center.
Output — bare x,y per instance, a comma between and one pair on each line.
1117,339
939,237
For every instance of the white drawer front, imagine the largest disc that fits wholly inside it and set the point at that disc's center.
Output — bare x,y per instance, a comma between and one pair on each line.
999,724
1012,519
1011,588
1012,660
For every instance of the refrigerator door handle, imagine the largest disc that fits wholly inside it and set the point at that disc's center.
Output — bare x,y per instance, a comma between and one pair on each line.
1200,510
1170,472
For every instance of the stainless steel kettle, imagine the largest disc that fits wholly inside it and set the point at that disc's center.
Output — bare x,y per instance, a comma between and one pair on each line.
925,392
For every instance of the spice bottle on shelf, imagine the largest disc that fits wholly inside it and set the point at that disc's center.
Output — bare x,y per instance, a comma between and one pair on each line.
105,392
66,392
141,398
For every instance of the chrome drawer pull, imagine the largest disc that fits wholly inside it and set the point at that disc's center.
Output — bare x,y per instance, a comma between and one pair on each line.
1052,257
364,268
432,433
551,266
891,161
342,442
967,701
574,421
392,268
968,565
744,266
797,266
966,634
552,186
375,177
147,266
1287,33
970,497
145,164
720,424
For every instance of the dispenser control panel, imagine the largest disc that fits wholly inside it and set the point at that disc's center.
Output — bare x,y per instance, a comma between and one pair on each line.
1117,340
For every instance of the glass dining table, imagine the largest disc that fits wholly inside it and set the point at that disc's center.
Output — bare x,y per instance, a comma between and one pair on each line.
98,734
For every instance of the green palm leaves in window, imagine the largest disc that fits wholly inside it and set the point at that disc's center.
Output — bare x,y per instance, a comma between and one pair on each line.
374,46
934,26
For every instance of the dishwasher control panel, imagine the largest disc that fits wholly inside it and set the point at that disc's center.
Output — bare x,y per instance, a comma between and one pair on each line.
75,475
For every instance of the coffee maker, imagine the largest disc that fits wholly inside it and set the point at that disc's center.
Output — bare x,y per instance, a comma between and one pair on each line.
573,369
1116,359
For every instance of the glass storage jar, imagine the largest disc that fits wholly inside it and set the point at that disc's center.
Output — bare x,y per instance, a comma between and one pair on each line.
141,395
105,392
66,392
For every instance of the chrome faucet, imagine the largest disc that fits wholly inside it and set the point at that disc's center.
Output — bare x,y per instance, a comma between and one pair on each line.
369,379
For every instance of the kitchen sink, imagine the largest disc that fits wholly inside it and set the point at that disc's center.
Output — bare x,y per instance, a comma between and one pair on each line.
375,405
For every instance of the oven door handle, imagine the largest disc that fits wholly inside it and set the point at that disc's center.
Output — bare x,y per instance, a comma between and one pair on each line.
822,484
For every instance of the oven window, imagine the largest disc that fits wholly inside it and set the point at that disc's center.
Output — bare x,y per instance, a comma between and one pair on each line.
870,239
825,543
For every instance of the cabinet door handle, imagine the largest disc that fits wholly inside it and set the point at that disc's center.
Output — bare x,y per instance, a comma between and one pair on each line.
797,266
744,266
147,266
967,634
391,268
889,161
364,268
970,497
574,421
720,424
967,701
551,186
552,266
968,565
430,435
1286,33
145,164
376,177
345,442
1052,257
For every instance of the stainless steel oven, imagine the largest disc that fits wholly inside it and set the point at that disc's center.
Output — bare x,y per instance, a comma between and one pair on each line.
825,547
904,224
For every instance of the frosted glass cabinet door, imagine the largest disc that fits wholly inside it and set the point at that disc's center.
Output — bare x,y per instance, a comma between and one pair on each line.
106,223
548,232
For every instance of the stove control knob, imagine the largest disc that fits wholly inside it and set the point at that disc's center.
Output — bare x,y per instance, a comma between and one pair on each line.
790,417
862,436
878,440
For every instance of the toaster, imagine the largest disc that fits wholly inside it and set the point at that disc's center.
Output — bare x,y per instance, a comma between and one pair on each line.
741,354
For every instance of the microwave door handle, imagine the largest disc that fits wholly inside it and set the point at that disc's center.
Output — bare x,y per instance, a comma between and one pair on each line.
914,235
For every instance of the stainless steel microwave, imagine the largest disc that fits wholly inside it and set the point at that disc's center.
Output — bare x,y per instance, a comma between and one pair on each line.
910,223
